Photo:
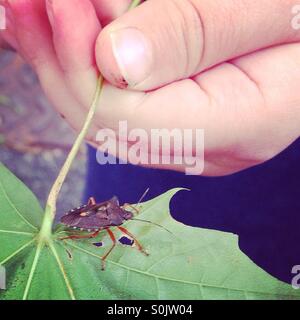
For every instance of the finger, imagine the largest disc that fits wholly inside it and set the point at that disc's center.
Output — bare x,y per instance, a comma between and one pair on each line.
249,109
74,37
108,10
163,41
34,36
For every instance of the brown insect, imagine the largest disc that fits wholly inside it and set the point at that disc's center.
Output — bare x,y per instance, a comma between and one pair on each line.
94,217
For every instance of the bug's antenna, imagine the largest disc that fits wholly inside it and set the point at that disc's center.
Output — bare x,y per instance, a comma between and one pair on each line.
142,197
156,224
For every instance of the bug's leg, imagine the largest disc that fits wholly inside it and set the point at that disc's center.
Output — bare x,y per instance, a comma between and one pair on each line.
91,201
86,236
113,239
128,205
139,246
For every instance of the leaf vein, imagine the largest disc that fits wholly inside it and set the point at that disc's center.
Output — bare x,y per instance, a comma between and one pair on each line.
14,207
169,279
17,251
17,232
62,269
32,269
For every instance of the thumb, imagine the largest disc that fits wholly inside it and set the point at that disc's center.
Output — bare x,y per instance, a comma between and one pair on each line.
162,41
141,48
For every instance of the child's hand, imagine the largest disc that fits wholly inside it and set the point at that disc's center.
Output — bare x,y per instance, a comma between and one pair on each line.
229,67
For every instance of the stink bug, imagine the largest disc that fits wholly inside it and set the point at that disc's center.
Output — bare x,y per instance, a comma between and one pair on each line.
94,217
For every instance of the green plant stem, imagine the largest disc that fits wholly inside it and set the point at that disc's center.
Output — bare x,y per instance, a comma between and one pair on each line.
134,4
55,190
50,211
66,167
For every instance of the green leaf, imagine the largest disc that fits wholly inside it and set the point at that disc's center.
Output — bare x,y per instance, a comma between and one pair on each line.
190,263
20,210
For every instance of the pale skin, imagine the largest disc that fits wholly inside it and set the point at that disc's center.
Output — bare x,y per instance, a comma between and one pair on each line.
229,67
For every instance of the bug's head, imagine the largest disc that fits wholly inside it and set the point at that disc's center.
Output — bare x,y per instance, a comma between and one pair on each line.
127,215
